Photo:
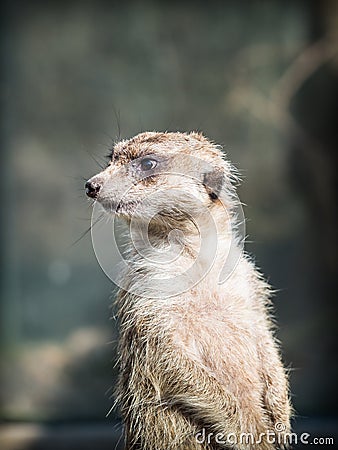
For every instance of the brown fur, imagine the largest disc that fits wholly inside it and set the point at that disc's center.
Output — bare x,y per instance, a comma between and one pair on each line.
204,359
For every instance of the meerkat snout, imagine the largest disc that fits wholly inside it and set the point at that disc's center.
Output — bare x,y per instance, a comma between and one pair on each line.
92,188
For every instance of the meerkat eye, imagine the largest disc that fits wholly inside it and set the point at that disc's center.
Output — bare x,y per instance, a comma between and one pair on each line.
148,164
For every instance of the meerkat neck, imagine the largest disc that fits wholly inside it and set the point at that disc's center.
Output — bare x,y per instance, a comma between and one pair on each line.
177,250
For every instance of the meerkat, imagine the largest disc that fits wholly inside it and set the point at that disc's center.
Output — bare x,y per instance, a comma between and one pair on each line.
199,367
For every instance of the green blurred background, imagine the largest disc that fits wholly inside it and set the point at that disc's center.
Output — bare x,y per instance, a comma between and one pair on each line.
258,77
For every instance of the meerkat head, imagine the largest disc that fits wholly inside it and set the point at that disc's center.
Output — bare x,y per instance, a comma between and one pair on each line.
163,176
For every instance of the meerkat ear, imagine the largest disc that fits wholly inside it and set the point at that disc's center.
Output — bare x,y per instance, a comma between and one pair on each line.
213,182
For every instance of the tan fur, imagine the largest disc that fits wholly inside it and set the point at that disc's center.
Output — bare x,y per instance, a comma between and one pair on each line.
204,359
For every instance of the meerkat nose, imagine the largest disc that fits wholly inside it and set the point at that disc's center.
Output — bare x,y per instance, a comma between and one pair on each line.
92,188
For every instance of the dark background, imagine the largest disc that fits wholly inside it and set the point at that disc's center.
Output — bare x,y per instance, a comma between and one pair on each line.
258,77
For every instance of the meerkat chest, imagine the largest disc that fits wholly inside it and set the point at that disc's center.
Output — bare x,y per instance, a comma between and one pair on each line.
220,336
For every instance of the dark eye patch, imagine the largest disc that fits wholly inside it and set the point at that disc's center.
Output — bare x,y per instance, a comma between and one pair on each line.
147,164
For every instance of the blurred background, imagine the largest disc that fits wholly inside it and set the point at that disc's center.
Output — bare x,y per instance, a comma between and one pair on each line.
258,77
